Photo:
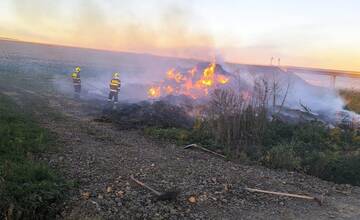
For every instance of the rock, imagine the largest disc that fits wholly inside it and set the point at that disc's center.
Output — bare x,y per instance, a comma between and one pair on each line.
85,195
109,189
192,199
119,194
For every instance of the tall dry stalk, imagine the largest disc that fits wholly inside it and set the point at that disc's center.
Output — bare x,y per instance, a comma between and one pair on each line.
236,121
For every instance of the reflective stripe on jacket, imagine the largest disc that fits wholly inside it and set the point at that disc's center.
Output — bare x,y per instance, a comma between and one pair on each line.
76,78
115,85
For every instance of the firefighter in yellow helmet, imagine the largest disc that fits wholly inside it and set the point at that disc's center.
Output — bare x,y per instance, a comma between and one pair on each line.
77,82
115,84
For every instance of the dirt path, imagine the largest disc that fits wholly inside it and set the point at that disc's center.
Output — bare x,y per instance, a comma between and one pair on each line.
100,159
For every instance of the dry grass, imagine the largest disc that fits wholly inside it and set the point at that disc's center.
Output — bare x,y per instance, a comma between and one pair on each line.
236,121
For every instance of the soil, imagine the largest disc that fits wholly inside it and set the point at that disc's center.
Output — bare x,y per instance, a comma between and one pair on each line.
100,158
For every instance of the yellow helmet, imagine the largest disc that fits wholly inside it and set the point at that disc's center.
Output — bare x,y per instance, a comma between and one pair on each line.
77,69
116,75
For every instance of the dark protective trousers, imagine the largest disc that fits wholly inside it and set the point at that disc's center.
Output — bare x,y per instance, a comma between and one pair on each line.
113,95
77,90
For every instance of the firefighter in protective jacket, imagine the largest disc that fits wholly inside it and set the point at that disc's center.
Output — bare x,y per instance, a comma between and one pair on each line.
115,84
77,82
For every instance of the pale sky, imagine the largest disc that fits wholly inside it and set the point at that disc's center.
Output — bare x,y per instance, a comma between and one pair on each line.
317,33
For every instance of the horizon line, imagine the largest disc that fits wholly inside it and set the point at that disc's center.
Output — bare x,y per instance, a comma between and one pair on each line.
169,56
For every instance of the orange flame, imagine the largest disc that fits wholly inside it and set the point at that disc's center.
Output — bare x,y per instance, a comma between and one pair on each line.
189,83
179,77
154,92
208,75
170,74
222,79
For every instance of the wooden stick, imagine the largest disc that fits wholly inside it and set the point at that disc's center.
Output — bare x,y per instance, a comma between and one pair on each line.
204,149
146,186
162,196
285,194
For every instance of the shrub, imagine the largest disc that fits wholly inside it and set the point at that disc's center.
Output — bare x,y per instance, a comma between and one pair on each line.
233,121
180,136
282,156
202,135
344,169
315,162
277,132
312,136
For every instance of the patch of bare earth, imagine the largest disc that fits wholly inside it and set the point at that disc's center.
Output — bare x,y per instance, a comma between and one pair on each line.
101,158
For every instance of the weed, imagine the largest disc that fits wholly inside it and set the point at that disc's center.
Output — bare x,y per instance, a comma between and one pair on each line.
29,189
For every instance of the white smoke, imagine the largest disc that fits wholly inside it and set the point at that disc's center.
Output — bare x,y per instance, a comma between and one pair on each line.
301,95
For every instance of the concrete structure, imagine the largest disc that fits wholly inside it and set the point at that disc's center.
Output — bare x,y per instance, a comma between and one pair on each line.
327,72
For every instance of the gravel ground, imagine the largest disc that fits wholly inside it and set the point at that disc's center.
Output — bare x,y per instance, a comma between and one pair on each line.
100,159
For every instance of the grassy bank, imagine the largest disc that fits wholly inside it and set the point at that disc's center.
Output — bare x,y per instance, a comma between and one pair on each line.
29,189
312,148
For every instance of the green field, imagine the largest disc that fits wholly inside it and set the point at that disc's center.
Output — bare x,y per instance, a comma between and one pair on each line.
29,189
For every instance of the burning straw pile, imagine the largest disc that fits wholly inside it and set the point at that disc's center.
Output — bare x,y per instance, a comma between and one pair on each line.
196,82
175,101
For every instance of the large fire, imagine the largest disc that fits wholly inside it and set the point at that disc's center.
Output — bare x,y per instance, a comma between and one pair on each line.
193,83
